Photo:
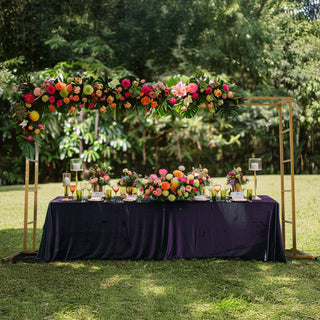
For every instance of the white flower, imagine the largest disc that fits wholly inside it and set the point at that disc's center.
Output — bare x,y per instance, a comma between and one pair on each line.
23,123
169,176
181,168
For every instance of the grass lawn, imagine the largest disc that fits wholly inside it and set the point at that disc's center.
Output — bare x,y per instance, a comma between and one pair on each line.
175,289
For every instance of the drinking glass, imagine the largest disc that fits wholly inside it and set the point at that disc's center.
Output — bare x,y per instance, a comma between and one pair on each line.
115,188
223,195
83,187
217,188
213,195
72,188
66,178
249,194
122,193
108,195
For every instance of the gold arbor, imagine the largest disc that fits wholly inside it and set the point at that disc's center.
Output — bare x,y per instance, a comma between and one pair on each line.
279,102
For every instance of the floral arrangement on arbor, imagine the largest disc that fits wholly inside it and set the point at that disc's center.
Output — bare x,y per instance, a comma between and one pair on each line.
236,178
185,95
172,186
129,179
100,177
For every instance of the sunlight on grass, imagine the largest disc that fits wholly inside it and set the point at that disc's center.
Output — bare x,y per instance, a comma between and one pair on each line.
148,287
115,280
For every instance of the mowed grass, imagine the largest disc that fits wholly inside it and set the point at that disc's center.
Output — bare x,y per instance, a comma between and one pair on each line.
175,289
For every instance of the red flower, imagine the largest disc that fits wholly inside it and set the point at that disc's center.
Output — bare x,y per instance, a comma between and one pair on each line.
29,98
51,89
126,83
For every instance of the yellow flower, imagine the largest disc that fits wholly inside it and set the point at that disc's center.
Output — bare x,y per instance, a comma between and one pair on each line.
34,115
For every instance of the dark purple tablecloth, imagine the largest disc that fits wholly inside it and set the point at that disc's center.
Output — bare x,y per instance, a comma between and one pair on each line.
157,230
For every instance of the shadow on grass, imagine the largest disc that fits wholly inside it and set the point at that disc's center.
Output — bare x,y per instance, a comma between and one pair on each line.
173,289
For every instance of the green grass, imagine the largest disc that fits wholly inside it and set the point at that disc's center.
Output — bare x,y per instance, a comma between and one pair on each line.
176,289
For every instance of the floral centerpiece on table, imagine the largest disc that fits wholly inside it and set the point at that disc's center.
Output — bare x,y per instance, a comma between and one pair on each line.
201,174
100,177
170,186
236,178
129,180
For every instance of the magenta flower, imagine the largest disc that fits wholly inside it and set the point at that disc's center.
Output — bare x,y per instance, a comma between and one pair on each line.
225,87
232,182
163,172
195,95
127,94
153,176
59,103
15,89
224,97
52,99
51,89
126,83
91,105
192,88
209,90
230,173
173,100
152,94
145,89
122,98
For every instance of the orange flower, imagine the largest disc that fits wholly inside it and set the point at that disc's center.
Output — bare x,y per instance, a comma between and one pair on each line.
60,86
178,173
113,105
51,107
154,104
165,185
145,101
173,187
103,109
37,131
73,109
110,99
66,100
179,193
30,128
217,93
76,98
239,169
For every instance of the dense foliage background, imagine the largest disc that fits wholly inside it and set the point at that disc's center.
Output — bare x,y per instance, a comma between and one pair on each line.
266,47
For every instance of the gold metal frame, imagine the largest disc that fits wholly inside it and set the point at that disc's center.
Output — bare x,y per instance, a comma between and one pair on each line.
25,250
292,253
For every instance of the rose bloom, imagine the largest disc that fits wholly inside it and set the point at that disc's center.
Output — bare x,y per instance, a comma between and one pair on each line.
225,87
158,192
243,179
178,173
94,180
192,88
209,90
232,182
239,169
230,94
99,93
230,173
203,105
76,90
37,91
110,99
217,93
189,188
127,94
76,98
151,188
51,107
60,86
66,100
127,105
195,95
59,103
113,105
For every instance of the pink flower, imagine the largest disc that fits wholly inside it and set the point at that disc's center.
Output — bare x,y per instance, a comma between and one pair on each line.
51,89
151,188
224,97
91,105
59,103
155,193
29,98
152,94
209,90
179,89
225,87
195,95
81,105
52,99
127,94
102,172
232,182
230,94
94,180
142,81
200,180
158,192
243,178
145,195
230,173
37,91
15,89
192,88
106,178
157,181
126,83
41,126
122,98
183,179
190,181
153,176
173,100
145,89
163,172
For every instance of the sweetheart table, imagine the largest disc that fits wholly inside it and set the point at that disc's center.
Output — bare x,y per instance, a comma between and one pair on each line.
162,230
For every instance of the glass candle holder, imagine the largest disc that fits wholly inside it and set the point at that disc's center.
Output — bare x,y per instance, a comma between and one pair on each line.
255,164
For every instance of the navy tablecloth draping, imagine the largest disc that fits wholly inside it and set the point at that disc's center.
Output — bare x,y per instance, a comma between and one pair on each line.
162,230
